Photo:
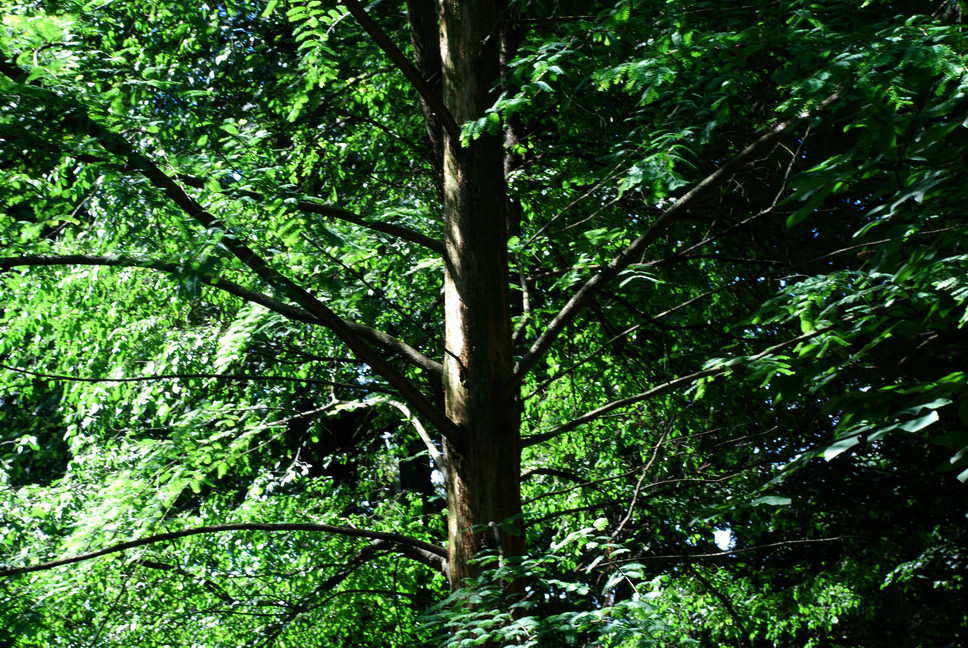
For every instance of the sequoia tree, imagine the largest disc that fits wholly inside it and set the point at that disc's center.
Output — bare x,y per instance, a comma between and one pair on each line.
314,312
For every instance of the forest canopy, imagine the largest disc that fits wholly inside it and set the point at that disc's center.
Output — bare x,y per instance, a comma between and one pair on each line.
483,322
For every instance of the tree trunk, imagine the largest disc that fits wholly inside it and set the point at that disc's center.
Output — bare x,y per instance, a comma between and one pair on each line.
483,487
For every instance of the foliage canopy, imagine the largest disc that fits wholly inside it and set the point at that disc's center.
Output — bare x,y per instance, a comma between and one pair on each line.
286,350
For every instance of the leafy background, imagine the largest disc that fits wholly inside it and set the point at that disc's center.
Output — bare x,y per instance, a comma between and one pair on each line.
791,348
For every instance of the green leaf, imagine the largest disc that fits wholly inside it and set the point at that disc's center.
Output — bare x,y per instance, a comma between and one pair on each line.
919,423
840,447
772,500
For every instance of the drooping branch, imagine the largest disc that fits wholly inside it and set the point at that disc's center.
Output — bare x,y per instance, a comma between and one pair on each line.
661,224
425,552
303,204
658,390
731,552
382,340
434,100
336,213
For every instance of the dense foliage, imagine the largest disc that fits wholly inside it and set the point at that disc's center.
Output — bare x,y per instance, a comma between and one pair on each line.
751,431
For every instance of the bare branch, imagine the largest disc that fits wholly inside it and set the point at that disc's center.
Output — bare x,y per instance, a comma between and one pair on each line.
383,340
599,281
579,482
621,335
396,345
404,545
557,472
638,485
614,405
418,554
525,308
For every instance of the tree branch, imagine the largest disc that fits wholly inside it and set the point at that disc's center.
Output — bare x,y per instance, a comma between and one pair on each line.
422,433
730,552
433,100
428,553
655,391
614,405
425,36
599,281
186,376
336,213
114,143
432,559
304,205
383,340
621,335
580,482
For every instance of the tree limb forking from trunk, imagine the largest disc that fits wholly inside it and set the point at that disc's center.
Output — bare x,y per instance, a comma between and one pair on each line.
383,340
420,84
598,282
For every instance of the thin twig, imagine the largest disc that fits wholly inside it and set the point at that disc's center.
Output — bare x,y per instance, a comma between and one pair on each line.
638,485
730,552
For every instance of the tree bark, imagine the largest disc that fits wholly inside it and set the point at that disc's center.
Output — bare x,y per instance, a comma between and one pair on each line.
483,459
